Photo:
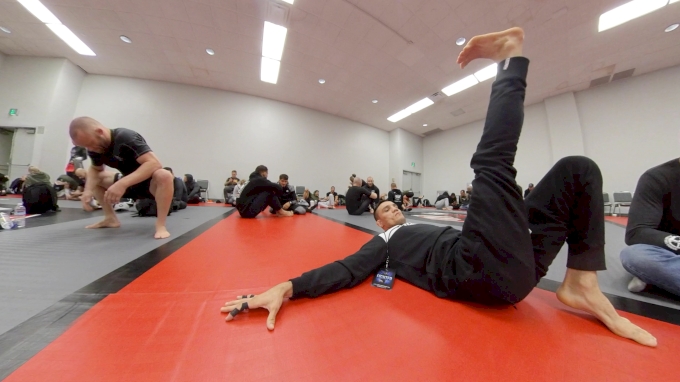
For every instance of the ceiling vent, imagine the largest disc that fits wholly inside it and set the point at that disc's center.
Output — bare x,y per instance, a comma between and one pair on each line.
277,13
458,112
623,74
433,131
600,81
437,96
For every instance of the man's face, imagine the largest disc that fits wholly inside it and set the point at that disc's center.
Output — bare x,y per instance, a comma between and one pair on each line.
333,189
389,215
283,182
369,181
233,174
265,174
94,140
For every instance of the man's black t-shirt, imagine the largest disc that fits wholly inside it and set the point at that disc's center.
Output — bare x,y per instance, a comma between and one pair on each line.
126,146
354,197
655,211
335,195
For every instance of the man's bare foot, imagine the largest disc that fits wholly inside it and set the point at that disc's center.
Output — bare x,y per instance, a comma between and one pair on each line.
581,291
106,223
283,213
495,46
161,233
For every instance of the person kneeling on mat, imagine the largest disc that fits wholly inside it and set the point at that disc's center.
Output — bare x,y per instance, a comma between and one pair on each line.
499,257
260,193
397,197
141,174
38,194
358,198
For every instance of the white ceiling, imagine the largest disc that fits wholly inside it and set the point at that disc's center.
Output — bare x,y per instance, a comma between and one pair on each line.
363,54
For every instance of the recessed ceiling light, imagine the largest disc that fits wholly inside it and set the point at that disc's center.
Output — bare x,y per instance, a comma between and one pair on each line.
5,30
210,51
672,27
460,41
322,81
126,39
424,124
375,101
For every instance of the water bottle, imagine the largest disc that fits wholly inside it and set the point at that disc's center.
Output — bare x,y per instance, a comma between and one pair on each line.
20,215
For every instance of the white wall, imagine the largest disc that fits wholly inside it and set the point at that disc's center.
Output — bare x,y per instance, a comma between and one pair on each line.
5,149
2,59
45,91
632,125
405,149
627,127
447,154
208,133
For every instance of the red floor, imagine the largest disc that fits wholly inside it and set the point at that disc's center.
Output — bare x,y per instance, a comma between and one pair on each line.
166,325
618,220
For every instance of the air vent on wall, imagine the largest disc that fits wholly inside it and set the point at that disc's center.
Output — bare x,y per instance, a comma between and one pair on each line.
623,74
600,81
432,131
458,112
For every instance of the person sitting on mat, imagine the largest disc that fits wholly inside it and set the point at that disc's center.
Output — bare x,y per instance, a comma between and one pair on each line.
193,189
463,200
288,197
141,174
370,186
237,191
260,193
397,197
229,186
445,201
506,243
358,198
67,187
653,231
331,199
179,192
306,201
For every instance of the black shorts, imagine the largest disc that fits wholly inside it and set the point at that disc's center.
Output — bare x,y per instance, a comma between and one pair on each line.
140,190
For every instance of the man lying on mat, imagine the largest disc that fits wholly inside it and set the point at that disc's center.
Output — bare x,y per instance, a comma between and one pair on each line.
507,243
141,173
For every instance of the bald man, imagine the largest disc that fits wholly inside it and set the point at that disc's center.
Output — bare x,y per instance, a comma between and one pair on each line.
358,198
141,174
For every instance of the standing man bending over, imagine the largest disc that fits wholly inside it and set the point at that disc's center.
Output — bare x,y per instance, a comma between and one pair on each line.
505,246
141,173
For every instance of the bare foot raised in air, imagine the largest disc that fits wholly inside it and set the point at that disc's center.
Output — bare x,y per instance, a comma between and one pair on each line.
161,233
581,291
106,223
494,46
283,213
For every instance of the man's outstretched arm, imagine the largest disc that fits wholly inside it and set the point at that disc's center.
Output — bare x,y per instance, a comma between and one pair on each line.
329,278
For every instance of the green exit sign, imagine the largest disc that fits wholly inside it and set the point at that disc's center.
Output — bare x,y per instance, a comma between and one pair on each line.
413,164
13,112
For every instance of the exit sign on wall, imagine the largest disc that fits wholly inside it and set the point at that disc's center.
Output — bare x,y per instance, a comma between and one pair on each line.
413,164
13,112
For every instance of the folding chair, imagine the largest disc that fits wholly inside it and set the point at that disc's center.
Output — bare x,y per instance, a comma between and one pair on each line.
622,199
203,185
607,203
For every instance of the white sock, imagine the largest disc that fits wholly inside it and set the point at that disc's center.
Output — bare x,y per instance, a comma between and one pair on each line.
636,285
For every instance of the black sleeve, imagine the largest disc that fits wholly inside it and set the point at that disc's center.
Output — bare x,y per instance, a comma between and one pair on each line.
390,196
195,191
340,274
134,142
646,211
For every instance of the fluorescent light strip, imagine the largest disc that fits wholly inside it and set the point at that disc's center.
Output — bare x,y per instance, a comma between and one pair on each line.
40,11
273,40
486,73
46,16
289,1
269,72
71,39
670,2
627,12
460,85
416,107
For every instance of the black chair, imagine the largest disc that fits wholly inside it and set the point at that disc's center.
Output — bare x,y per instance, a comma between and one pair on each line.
622,199
607,203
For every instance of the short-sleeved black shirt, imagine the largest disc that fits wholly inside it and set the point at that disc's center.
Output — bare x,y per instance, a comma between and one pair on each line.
126,146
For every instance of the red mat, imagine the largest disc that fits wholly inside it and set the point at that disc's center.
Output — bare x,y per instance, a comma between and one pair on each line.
166,325
618,220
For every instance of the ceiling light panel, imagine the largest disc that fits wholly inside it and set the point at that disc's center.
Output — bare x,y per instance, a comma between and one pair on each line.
40,11
461,85
71,39
629,11
273,40
486,73
269,72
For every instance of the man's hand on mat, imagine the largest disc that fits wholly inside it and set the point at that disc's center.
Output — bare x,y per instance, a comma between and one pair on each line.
114,193
270,300
86,199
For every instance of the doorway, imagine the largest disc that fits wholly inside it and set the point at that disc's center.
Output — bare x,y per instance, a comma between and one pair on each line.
16,150
411,182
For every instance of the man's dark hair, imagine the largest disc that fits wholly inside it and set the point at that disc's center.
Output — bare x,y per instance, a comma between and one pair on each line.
375,210
233,171
169,169
261,168
283,177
